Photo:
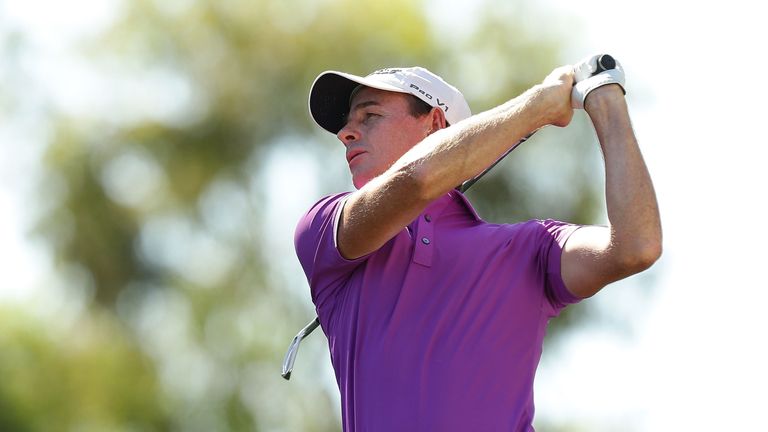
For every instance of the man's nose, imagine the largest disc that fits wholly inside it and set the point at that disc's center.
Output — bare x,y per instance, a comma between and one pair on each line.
348,134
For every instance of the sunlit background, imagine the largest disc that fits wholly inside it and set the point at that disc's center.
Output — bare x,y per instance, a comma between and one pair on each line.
156,155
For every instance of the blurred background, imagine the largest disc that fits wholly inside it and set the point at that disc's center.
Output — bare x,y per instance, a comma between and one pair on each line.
155,156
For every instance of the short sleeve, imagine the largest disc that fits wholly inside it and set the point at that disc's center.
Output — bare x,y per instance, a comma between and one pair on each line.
315,240
551,251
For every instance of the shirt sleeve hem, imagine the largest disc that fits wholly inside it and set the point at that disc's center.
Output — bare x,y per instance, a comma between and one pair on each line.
336,222
561,291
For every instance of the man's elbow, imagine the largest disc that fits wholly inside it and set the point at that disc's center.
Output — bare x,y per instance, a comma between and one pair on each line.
425,183
650,254
641,256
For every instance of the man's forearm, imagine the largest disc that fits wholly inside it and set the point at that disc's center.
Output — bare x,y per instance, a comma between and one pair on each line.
452,155
630,198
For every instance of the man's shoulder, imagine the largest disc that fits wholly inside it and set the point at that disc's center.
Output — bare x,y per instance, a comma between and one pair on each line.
538,225
529,233
323,207
555,227
329,199
318,219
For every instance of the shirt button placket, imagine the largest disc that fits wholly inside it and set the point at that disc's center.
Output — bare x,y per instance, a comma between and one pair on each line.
424,248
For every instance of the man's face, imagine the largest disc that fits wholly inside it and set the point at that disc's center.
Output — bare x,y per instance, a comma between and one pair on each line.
379,130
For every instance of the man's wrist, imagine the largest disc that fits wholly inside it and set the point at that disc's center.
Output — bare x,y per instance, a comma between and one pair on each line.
554,103
605,97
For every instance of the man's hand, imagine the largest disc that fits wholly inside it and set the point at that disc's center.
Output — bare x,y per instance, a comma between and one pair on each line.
557,87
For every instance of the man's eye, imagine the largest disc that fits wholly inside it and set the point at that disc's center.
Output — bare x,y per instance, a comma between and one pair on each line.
369,116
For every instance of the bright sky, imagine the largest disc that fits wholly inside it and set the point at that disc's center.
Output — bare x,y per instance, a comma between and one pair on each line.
695,359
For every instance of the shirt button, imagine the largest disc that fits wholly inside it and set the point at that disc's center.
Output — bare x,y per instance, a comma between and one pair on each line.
428,218
425,240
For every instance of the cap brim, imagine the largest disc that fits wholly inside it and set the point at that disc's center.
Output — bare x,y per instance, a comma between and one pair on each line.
329,97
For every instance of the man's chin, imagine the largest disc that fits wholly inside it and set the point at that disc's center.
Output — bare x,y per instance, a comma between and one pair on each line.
359,182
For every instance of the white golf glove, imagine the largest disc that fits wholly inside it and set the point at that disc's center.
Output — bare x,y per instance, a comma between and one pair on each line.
586,80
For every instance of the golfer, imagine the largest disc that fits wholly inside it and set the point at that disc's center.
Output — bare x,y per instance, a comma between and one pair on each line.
434,317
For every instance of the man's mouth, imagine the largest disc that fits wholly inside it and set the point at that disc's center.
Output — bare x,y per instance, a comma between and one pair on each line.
351,154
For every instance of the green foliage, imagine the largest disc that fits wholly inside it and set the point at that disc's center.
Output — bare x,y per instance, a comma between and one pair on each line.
89,376
163,208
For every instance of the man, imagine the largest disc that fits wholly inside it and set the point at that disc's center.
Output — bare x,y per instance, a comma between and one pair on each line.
435,318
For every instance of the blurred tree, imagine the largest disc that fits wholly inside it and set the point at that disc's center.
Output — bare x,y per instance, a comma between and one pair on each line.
87,378
162,205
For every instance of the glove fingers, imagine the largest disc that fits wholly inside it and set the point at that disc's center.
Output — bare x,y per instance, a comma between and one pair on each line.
585,67
582,89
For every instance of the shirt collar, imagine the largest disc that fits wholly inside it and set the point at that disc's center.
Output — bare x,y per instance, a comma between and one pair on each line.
455,199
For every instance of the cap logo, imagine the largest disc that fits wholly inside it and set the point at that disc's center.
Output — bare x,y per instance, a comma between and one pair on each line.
385,71
429,96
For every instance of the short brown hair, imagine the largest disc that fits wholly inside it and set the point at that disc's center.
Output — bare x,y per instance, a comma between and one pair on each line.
418,107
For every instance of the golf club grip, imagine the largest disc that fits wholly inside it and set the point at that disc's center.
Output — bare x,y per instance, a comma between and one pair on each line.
605,62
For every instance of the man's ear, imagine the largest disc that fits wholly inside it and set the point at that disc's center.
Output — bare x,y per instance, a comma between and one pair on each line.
437,119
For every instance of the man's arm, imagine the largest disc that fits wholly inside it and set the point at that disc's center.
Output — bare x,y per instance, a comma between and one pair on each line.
379,210
596,256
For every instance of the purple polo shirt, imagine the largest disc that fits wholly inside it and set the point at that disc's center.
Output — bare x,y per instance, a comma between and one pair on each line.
440,329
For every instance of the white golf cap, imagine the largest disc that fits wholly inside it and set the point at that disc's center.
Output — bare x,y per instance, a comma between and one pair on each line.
330,95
